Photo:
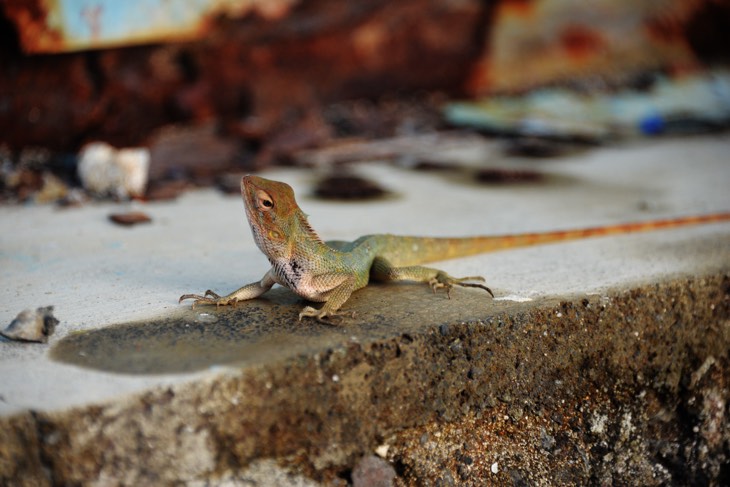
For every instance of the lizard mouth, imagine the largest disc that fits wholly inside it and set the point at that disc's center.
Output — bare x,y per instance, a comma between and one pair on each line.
248,191
245,184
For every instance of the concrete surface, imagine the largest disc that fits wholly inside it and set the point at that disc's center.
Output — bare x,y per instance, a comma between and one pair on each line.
97,274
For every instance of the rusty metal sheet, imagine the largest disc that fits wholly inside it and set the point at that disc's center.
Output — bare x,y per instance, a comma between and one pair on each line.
49,26
536,42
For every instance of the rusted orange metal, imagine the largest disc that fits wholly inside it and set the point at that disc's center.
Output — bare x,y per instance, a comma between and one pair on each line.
52,26
537,42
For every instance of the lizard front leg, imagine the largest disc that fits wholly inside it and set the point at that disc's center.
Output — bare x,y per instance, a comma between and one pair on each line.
249,291
382,270
334,298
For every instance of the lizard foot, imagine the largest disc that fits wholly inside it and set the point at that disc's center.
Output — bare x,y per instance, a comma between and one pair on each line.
325,316
445,281
208,298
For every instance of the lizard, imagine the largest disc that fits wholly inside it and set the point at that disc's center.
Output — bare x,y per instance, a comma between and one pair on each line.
329,272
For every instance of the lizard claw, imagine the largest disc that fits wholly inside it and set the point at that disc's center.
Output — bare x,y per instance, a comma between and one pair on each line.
208,298
445,281
325,316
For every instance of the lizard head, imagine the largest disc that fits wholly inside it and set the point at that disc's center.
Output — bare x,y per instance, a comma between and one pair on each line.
274,216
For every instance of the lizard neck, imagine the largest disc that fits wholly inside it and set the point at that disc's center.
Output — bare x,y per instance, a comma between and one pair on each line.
290,239
305,230
304,242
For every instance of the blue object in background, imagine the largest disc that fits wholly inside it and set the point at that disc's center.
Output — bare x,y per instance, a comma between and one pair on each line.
652,124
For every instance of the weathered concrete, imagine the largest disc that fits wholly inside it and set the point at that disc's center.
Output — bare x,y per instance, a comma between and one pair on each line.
629,388
599,360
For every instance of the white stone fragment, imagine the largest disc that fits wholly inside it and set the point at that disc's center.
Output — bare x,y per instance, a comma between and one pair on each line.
31,326
121,173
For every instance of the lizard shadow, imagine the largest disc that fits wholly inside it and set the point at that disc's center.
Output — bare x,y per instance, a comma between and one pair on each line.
189,340
261,330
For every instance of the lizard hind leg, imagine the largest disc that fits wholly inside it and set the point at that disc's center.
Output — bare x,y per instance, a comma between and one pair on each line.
382,270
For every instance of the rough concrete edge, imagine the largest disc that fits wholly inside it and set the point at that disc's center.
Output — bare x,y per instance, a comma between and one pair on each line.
318,414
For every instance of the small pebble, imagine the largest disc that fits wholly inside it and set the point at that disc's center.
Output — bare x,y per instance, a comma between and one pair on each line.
130,218
31,326
382,451
372,471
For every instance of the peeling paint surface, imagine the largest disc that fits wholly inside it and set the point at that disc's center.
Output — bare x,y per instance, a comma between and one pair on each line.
71,25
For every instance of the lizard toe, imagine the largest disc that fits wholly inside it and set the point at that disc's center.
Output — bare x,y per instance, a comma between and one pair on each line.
196,297
308,312
209,298
324,316
444,281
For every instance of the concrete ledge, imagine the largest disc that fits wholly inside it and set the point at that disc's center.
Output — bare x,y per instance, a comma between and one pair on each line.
599,361
628,388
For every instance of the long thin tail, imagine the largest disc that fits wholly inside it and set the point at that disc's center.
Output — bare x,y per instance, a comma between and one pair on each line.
425,249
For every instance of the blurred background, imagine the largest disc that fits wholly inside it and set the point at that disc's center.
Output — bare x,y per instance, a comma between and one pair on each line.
146,98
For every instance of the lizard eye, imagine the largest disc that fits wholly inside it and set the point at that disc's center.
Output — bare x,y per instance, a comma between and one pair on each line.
264,200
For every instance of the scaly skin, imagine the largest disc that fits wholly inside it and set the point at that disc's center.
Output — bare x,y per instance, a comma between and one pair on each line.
330,272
